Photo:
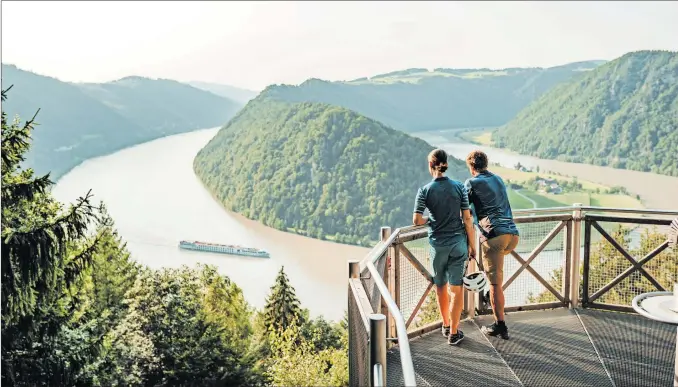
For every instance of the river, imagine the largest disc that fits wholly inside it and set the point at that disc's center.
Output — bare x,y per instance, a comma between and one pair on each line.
156,200
656,191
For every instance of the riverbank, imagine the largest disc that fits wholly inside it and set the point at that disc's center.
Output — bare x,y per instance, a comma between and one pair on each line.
654,191
156,200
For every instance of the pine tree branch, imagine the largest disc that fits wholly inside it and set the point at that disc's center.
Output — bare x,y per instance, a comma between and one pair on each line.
25,188
78,263
75,221
15,142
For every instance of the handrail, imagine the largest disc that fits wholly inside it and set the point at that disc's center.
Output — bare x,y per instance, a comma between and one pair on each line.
547,210
380,248
401,328
643,211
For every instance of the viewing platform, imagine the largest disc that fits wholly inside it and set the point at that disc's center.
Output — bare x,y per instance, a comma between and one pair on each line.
569,289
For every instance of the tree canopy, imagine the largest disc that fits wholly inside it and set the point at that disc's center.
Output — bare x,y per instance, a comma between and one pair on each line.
316,169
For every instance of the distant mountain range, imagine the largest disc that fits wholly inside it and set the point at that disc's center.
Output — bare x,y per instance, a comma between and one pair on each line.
623,114
81,121
418,99
620,113
231,92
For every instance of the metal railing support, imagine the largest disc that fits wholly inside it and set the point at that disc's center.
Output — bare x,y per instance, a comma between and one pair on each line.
575,251
385,234
394,284
378,349
471,298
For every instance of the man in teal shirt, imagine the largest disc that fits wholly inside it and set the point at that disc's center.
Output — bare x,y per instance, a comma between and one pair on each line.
451,238
498,233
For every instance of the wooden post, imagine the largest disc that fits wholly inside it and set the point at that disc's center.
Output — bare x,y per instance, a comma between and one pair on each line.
576,255
471,297
353,269
567,264
675,308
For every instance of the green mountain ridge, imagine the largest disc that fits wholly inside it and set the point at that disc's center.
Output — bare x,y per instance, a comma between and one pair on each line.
235,93
624,114
78,121
418,99
316,169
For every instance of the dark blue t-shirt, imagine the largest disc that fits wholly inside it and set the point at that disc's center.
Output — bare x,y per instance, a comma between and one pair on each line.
444,198
492,210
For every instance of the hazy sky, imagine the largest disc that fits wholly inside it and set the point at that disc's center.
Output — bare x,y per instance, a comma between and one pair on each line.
254,44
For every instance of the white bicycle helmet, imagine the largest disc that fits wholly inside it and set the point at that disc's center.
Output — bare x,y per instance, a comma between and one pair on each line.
475,282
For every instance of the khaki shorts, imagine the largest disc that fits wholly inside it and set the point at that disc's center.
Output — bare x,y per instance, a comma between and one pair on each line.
494,251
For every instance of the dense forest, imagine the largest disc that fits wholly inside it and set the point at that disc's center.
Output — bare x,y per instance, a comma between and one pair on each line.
623,114
81,121
316,169
416,99
77,310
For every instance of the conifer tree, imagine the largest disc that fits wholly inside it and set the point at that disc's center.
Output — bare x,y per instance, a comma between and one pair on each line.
282,305
45,249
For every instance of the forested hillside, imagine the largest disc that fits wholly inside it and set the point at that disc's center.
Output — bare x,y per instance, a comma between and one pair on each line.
316,169
623,114
80,121
416,99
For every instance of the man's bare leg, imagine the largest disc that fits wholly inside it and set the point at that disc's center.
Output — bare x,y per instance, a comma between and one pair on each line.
457,305
497,301
444,304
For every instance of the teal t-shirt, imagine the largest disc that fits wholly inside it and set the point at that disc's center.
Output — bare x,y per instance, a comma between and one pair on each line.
445,199
492,210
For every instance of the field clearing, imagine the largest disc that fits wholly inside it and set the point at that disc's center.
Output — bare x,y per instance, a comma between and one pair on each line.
570,198
518,202
519,176
480,137
610,200
416,77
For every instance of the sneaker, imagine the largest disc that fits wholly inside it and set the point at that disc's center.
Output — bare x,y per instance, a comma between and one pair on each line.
496,329
454,339
445,331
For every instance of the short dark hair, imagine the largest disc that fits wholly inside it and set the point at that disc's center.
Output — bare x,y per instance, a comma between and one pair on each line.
477,160
437,160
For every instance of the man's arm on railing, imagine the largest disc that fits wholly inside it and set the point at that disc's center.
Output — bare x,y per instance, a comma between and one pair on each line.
470,232
419,219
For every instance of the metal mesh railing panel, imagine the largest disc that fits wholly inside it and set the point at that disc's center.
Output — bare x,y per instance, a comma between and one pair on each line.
358,344
413,284
371,288
606,262
549,264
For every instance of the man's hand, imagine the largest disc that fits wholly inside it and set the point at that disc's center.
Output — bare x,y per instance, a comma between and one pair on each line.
419,219
471,251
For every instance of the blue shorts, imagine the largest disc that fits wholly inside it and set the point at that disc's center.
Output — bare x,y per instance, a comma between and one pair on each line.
449,262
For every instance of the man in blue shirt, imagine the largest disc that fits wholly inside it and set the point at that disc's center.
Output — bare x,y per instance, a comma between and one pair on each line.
498,233
450,237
